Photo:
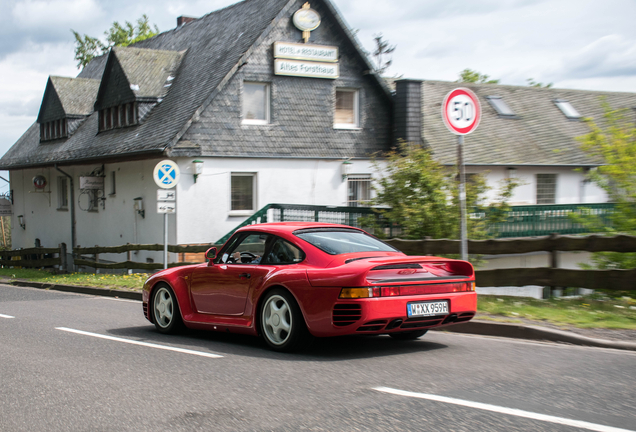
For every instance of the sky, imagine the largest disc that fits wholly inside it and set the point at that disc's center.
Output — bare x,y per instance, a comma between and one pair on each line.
580,44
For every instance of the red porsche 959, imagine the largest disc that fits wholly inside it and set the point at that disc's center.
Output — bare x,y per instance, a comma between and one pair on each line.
289,282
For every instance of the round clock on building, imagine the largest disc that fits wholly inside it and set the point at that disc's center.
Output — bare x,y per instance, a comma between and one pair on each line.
306,19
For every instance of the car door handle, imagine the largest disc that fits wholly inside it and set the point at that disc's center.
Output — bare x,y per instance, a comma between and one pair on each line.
245,275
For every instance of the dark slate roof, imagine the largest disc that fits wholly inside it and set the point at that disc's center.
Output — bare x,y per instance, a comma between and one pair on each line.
148,70
215,45
539,135
76,94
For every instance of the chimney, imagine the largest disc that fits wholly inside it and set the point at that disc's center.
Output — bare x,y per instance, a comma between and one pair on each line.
407,110
184,20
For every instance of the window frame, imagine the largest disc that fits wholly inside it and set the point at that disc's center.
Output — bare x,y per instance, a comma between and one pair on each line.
567,109
268,108
62,193
356,108
351,179
543,199
250,212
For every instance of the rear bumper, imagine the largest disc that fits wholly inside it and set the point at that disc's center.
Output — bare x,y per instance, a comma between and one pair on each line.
389,314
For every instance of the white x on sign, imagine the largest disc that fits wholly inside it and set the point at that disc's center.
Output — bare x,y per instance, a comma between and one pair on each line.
166,174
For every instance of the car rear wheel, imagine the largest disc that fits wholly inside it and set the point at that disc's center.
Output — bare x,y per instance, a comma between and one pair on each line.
409,335
165,311
282,324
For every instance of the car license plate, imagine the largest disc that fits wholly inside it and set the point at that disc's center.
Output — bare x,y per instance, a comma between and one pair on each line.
427,308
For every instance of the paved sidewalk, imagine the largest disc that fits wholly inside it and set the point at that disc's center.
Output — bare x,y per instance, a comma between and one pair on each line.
479,327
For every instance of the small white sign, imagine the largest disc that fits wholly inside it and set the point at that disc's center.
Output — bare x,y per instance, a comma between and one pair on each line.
6,208
166,195
166,174
297,51
91,182
306,69
166,207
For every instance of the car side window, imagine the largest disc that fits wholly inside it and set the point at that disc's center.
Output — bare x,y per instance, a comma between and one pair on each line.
283,252
250,250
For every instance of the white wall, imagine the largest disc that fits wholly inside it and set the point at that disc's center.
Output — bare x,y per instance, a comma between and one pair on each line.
114,223
282,181
203,208
571,187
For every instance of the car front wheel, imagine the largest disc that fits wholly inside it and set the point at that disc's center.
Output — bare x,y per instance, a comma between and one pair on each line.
409,335
165,311
282,325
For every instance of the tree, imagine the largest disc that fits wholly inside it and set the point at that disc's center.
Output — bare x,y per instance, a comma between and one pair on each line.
471,76
422,196
87,47
532,83
614,145
382,50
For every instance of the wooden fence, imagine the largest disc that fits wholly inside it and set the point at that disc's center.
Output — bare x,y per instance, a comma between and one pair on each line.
542,276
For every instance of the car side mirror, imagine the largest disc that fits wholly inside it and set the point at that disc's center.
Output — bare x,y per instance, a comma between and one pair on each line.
210,254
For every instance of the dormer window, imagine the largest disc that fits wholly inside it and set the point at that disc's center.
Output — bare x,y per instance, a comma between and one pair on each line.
53,130
567,109
118,117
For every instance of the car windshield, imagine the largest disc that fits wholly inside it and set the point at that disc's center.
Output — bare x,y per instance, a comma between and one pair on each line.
336,242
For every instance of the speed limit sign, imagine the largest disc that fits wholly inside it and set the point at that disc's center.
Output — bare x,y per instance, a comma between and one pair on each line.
461,111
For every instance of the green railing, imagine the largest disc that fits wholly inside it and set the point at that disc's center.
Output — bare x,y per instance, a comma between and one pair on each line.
520,221
310,213
545,219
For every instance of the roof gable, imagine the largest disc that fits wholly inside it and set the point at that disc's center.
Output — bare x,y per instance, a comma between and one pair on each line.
67,98
137,74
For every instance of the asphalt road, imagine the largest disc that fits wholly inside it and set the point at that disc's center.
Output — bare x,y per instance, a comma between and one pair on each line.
67,363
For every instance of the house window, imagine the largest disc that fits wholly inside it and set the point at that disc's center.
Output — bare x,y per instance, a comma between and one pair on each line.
118,116
53,130
501,107
567,109
546,188
243,192
113,183
255,103
62,193
346,113
359,190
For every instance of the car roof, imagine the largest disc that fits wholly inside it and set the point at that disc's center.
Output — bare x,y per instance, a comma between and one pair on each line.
289,227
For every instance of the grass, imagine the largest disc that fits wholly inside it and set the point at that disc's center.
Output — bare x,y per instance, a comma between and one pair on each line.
134,281
595,311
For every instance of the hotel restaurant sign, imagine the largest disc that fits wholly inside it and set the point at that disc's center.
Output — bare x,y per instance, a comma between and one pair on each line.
306,60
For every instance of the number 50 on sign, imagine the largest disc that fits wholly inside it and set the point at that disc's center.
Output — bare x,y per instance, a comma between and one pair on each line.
461,111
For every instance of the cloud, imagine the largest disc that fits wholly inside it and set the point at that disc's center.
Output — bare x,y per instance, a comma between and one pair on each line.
609,56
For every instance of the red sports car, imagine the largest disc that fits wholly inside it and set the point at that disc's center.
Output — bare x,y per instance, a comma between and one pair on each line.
291,281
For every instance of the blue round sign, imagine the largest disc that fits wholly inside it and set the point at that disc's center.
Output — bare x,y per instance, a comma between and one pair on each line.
166,174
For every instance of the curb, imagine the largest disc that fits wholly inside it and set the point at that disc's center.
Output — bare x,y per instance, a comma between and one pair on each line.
104,292
530,332
478,327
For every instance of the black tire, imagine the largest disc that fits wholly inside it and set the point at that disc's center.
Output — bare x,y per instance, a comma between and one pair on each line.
408,335
165,310
281,322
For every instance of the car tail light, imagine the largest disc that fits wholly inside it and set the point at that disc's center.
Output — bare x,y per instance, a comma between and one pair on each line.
406,290
353,293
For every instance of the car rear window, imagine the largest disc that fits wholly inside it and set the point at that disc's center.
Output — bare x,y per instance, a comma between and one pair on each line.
336,242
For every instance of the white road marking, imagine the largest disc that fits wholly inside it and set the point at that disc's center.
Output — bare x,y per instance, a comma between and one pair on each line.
503,410
118,299
146,344
6,316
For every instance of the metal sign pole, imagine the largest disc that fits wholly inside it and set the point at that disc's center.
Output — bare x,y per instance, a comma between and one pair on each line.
165,241
462,197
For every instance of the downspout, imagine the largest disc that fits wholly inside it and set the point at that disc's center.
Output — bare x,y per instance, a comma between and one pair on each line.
73,240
